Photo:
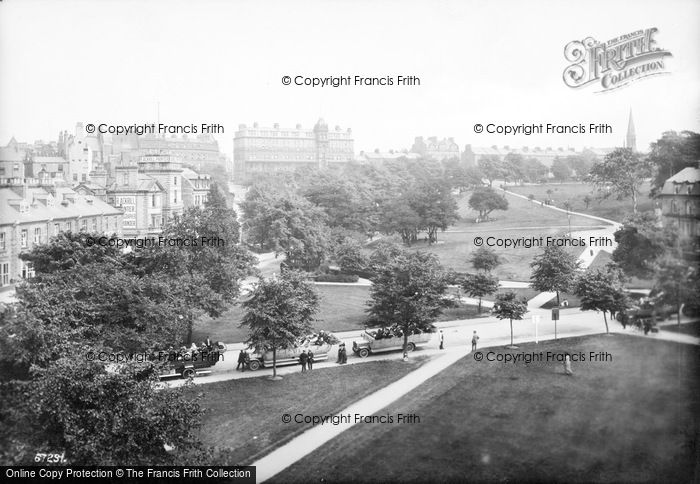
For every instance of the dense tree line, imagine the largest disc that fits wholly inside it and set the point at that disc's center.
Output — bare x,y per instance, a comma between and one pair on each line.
88,299
306,215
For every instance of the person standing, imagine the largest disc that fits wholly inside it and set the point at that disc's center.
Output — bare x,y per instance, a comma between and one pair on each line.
310,360
303,358
343,354
567,365
475,340
442,340
241,360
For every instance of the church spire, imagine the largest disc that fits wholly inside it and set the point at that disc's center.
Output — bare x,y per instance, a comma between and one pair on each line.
631,138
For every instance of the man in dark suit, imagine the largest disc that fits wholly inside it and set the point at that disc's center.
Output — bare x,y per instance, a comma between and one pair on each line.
304,359
310,360
241,360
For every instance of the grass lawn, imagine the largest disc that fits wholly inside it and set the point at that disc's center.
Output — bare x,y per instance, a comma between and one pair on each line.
244,417
342,309
609,208
634,419
693,329
522,219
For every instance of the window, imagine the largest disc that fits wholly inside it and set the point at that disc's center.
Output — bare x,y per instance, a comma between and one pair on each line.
94,224
84,177
5,274
175,181
154,200
75,177
24,238
69,226
125,179
37,235
27,270
83,225
175,196
56,229
2,240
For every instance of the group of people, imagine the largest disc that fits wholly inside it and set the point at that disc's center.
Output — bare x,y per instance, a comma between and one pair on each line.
243,360
187,353
306,358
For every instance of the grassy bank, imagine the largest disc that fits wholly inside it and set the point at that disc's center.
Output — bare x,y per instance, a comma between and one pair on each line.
244,417
633,418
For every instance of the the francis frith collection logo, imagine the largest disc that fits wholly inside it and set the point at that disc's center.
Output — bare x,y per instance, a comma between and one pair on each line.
615,63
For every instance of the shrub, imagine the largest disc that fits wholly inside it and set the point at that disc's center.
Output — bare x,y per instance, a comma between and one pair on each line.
336,278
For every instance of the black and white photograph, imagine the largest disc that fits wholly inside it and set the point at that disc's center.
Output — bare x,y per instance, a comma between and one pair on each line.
350,241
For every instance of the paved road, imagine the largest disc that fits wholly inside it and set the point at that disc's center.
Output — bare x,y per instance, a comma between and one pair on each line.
491,331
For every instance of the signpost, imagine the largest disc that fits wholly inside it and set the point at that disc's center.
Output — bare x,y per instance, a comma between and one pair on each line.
555,318
536,320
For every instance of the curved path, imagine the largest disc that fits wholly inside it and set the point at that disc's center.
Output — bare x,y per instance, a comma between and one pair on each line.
589,254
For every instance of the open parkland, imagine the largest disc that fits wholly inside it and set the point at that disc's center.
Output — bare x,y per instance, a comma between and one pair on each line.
628,412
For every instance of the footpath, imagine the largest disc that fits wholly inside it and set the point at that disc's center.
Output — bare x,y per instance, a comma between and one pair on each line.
303,445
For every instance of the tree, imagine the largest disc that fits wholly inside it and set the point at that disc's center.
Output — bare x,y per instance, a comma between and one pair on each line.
346,200
560,169
485,201
68,250
279,312
91,414
621,173
105,304
400,217
384,253
602,290
435,206
485,259
534,170
553,270
492,167
211,268
480,285
509,306
514,167
640,241
581,164
675,282
350,257
287,223
670,154
408,292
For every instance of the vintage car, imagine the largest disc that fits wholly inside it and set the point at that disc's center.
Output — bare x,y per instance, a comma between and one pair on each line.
320,344
189,363
389,340
645,313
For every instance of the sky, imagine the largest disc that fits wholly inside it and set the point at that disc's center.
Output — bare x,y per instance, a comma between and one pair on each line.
208,61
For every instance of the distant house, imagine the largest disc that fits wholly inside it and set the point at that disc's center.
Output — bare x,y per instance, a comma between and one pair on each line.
680,202
32,212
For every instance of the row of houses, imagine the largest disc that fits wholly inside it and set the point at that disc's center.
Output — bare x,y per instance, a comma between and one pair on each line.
139,200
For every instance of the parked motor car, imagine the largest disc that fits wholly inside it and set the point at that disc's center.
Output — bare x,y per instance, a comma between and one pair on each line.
189,363
320,344
389,339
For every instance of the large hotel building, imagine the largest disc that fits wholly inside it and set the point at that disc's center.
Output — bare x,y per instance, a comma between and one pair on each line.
260,150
